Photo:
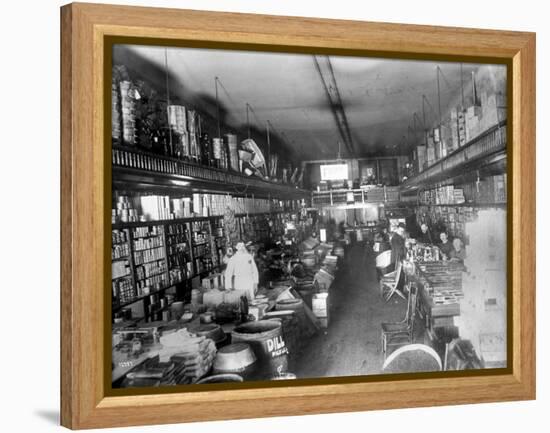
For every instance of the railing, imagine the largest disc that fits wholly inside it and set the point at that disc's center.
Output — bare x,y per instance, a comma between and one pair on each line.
135,160
339,197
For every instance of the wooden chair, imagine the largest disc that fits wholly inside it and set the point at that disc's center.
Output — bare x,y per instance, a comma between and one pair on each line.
397,334
389,283
383,260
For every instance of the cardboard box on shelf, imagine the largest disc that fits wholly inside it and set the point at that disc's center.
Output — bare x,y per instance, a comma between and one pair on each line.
420,157
484,98
454,113
453,142
489,116
472,128
500,99
430,155
461,123
473,111
430,141
443,151
502,114
446,136
437,135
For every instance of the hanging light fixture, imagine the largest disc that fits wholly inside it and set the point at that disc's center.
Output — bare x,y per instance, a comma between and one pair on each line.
339,155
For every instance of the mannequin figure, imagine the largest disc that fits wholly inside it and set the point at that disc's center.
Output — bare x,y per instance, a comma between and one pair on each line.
241,272
227,256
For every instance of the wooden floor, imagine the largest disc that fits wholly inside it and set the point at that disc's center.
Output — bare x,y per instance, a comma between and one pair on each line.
351,345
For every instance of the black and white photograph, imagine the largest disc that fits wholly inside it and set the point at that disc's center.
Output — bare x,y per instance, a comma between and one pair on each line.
286,216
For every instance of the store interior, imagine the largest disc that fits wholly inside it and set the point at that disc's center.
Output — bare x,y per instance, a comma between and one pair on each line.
284,216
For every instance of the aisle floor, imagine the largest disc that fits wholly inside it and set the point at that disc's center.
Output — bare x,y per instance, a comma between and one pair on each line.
351,345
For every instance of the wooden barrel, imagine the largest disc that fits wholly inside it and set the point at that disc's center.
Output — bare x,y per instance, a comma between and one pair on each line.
290,304
221,378
307,329
266,339
291,331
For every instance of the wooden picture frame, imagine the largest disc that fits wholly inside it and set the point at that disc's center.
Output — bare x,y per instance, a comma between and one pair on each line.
85,214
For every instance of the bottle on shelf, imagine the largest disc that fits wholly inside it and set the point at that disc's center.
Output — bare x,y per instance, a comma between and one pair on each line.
178,249
206,151
149,258
193,132
217,152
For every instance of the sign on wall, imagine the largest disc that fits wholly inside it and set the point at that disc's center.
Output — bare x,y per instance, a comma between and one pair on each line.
334,172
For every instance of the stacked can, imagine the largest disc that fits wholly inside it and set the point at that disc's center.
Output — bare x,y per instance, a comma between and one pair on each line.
217,151
124,211
115,112
177,120
192,128
128,113
231,141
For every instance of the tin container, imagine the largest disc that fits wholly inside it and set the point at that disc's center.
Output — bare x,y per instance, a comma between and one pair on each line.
266,339
235,358
217,148
211,331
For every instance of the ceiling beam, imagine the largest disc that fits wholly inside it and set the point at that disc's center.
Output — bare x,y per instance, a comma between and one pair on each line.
328,79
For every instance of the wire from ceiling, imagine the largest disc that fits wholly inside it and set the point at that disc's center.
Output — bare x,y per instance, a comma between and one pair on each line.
250,110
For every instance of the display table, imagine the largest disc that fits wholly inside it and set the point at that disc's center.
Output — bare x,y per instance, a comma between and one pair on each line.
439,286
124,363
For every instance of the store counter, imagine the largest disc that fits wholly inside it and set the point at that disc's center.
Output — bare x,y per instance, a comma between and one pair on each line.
439,291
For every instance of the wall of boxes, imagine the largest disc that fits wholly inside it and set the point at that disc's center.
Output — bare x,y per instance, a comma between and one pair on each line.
464,120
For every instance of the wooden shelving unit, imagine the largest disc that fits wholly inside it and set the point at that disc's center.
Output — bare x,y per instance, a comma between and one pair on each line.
149,258
476,205
161,256
122,283
188,248
485,149
139,170
218,241
123,225
455,189
201,247
178,251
